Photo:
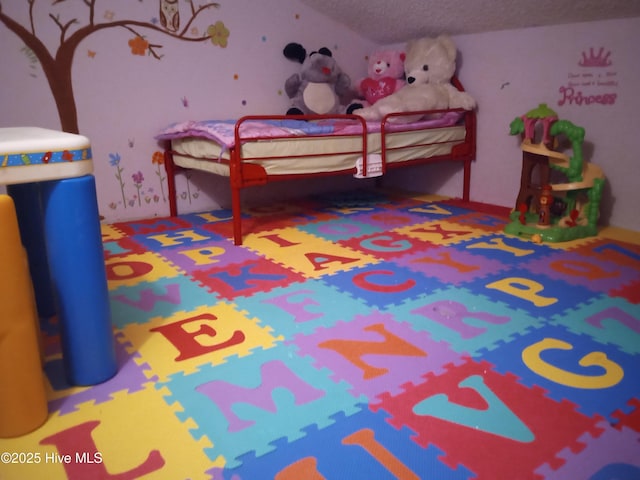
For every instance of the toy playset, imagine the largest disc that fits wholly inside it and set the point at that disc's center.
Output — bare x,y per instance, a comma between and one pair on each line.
559,197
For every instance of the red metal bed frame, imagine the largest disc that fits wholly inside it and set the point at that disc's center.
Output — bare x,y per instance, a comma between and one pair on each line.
244,174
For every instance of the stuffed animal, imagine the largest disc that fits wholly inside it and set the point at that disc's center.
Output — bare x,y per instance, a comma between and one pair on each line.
321,87
429,66
385,75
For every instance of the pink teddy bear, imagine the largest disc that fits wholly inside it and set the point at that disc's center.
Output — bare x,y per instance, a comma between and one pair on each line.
386,73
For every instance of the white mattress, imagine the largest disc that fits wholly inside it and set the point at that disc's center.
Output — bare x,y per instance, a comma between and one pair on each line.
317,154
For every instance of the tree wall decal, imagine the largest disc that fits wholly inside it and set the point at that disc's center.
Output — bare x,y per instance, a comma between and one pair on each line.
57,68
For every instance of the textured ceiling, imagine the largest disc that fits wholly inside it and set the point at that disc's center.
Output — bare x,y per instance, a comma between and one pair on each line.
393,21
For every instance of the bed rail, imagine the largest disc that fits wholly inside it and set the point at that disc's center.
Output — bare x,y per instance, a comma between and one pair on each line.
464,152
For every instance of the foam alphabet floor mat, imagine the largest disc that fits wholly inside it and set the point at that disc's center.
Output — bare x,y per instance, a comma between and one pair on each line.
368,335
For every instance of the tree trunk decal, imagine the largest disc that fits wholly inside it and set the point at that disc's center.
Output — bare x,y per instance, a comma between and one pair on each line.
57,69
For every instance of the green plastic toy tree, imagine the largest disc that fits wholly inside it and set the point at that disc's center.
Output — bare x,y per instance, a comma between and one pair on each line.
581,193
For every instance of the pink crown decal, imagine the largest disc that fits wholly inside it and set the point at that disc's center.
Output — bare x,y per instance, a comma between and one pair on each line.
601,59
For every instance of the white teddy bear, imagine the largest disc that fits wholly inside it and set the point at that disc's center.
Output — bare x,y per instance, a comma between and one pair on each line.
429,66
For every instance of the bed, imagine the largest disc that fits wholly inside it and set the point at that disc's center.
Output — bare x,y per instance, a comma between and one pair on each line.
258,149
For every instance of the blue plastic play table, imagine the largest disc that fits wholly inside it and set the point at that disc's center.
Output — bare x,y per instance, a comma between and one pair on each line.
49,175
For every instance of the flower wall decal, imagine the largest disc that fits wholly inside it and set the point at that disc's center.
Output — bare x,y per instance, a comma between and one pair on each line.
219,34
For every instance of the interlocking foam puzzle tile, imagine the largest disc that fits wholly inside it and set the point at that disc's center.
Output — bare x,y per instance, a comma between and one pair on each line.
608,250
121,247
184,238
589,272
384,284
278,394
206,218
161,298
278,210
307,254
625,254
631,418
152,225
387,219
398,201
606,457
216,253
350,199
451,266
260,219
481,221
259,275
437,211
110,233
65,398
508,250
386,245
425,197
189,339
352,211
133,269
439,232
471,405
468,322
136,435
607,320
339,229
597,378
375,353
630,292
302,307
362,445
535,293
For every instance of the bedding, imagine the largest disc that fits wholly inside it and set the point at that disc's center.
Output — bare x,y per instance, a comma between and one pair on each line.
256,150
223,131
311,154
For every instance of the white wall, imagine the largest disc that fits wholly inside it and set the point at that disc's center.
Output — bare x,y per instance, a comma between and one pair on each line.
511,72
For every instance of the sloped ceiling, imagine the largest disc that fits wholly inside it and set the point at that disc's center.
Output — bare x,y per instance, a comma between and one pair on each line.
394,21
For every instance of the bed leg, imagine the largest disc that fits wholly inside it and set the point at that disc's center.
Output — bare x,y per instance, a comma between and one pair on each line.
466,186
236,211
169,167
